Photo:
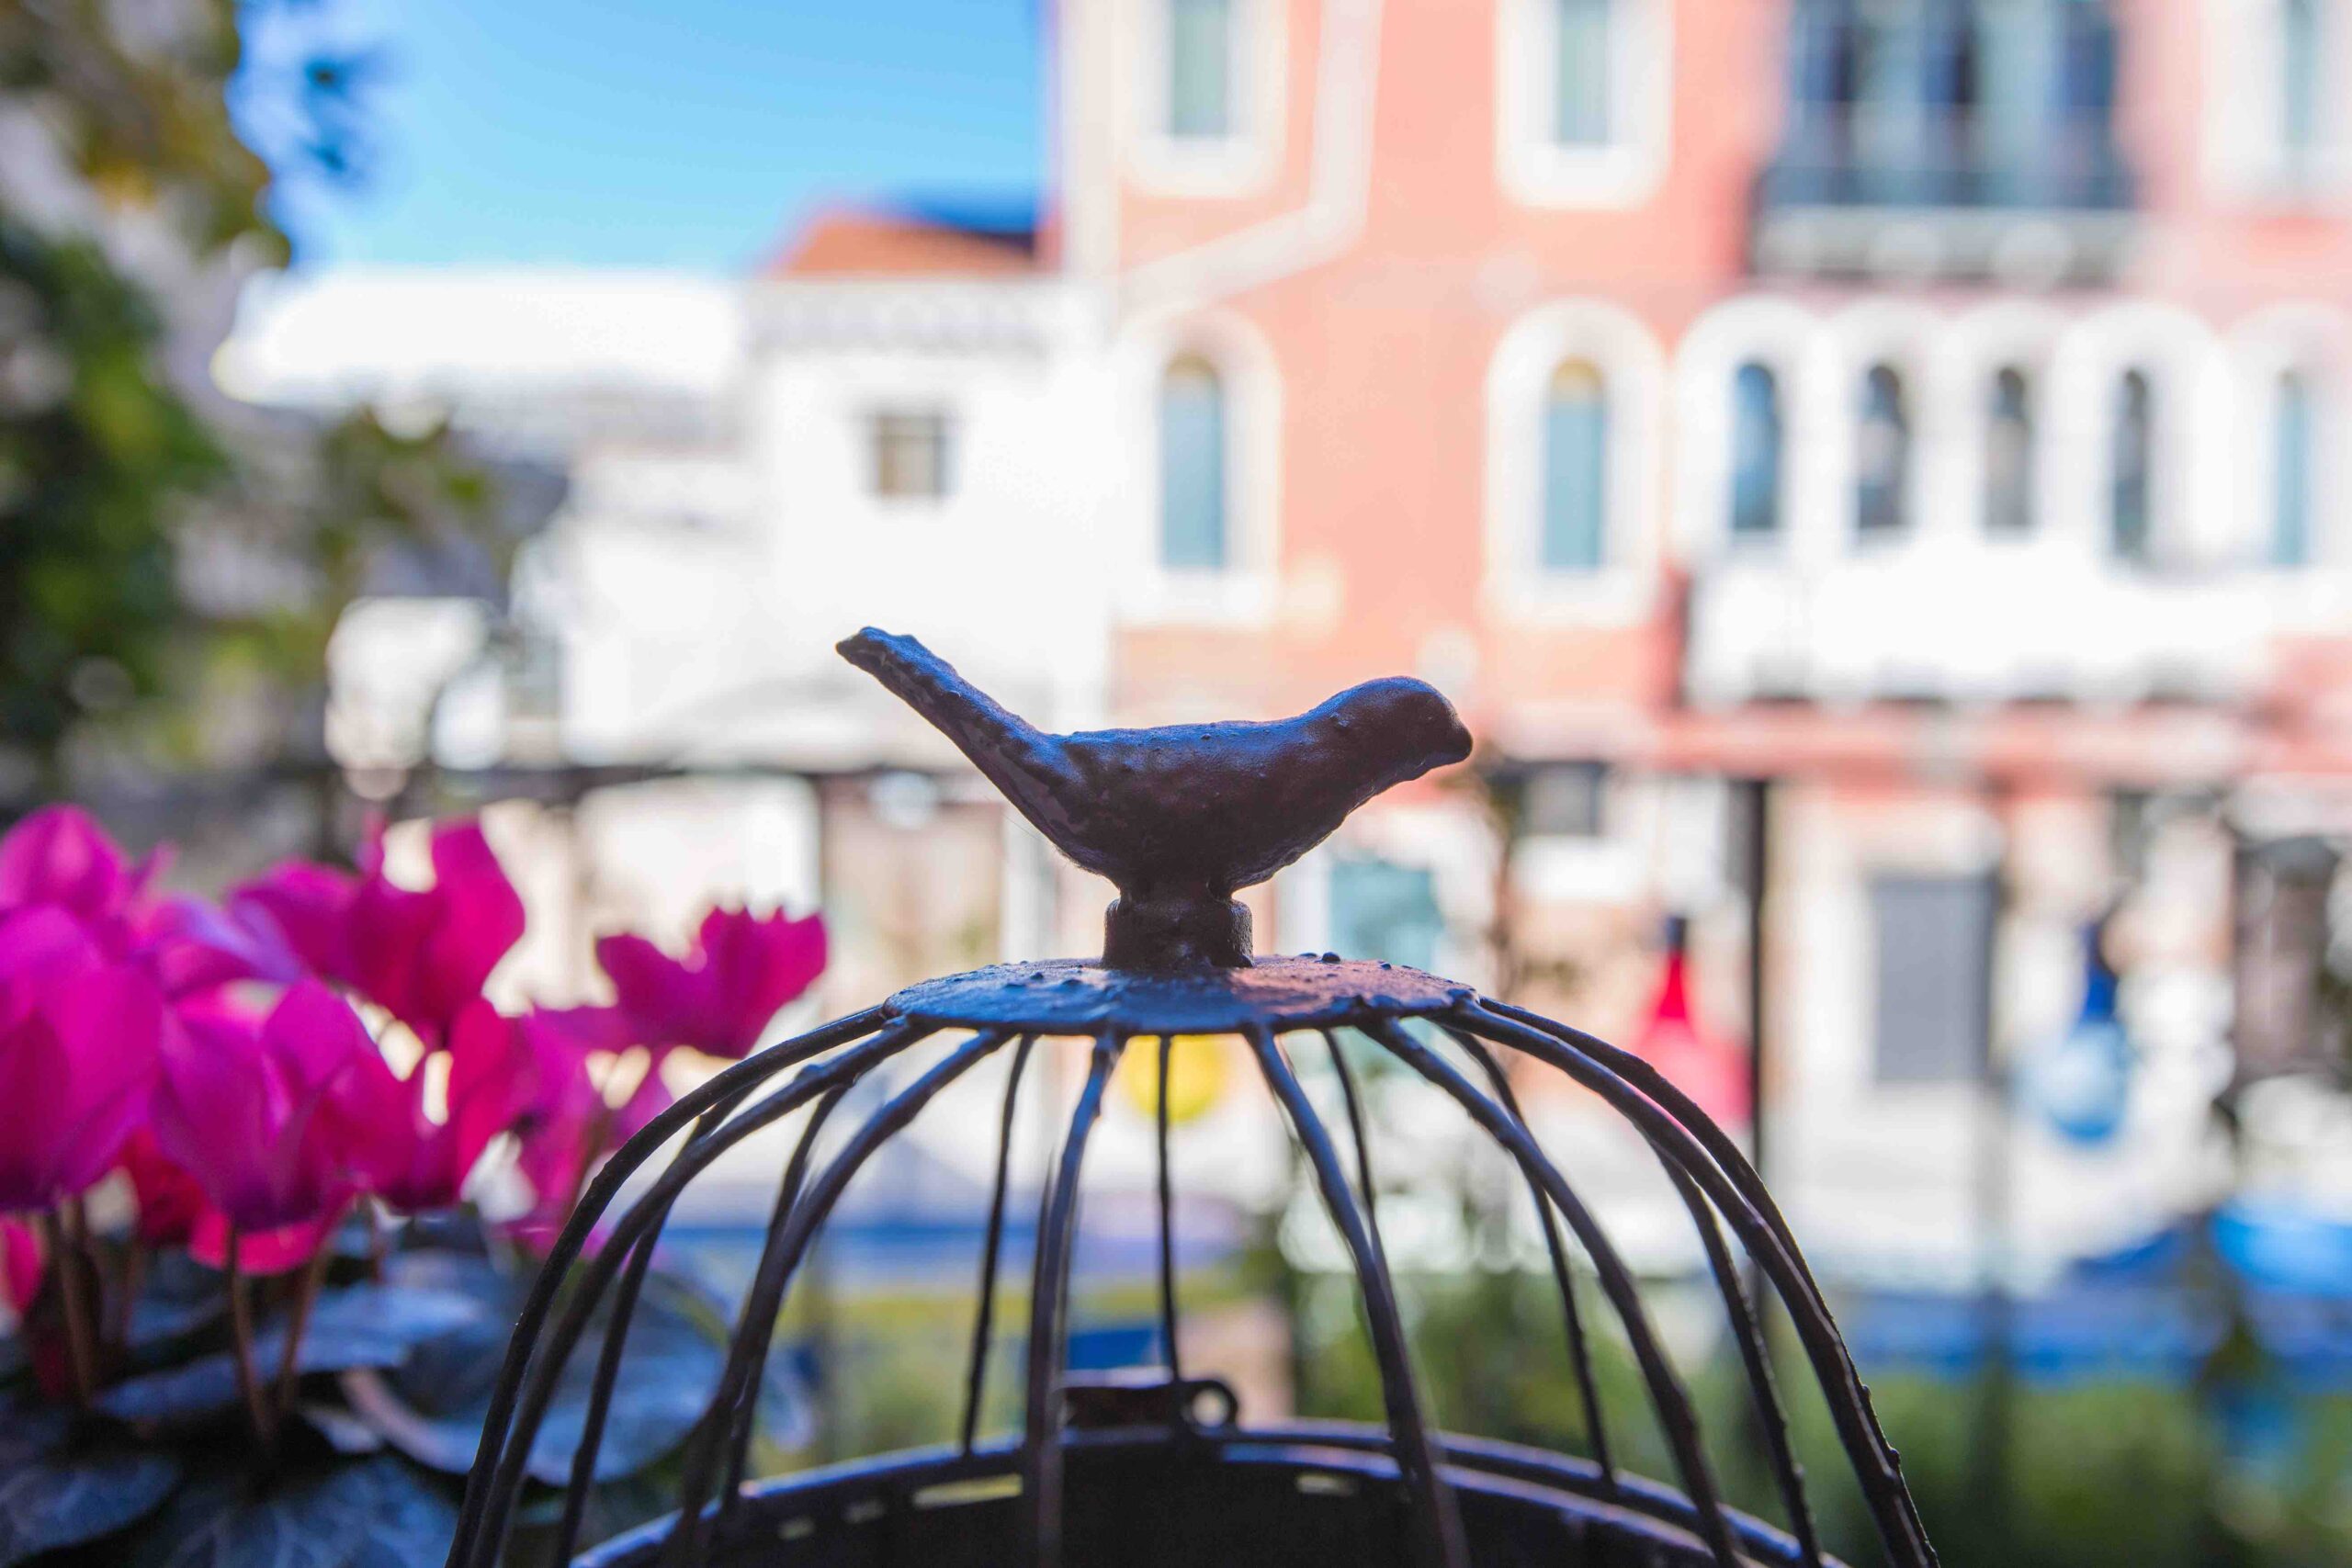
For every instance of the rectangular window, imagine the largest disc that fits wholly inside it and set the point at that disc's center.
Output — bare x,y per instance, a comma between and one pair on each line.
1934,939
913,454
2301,46
1200,69
1563,801
1581,109
2290,524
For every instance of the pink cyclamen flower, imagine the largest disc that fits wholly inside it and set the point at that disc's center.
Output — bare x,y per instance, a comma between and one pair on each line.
726,990
413,1162
421,954
79,1038
190,946
59,857
252,1110
570,1120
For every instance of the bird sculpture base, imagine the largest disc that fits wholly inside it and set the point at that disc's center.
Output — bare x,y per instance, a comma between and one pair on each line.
1172,932
1273,992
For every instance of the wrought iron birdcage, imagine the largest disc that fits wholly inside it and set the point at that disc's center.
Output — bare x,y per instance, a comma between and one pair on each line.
1155,1467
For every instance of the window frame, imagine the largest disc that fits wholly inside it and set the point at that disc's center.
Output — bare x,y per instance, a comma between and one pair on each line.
1240,592
878,420
2312,399
1533,167
1773,537
1631,365
1180,364
1245,159
1594,404
1863,536
2119,406
2029,477
2248,152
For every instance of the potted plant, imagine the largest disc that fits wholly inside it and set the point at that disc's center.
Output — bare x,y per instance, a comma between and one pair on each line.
244,1149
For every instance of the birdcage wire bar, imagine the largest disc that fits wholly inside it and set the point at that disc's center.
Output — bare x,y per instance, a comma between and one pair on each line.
1435,1482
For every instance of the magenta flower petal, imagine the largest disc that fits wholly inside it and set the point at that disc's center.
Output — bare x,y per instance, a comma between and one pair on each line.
22,1266
742,969
250,1110
110,1025
479,918
421,954
493,1076
309,906
278,1250
33,1076
39,949
78,1061
60,855
190,945
169,1199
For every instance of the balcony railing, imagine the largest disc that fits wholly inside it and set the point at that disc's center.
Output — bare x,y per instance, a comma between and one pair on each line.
1971,160
1983,626
1953,106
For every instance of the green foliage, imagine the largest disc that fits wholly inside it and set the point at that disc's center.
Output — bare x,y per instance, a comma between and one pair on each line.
169,565
394,1376
95,449
2090,1474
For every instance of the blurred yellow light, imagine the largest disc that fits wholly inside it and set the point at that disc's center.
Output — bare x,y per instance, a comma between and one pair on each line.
1196,1070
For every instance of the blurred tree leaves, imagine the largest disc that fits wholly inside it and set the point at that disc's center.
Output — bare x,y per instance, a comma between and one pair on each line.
93,447
171,565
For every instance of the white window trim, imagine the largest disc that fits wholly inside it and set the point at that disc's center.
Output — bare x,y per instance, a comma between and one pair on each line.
1243,591
1532,168
2314,341
2243,158
1986,341
1789,340
1913,343
1238,164
2183,360
1633,376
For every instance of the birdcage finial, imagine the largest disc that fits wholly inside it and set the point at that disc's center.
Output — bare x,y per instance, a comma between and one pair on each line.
1180,817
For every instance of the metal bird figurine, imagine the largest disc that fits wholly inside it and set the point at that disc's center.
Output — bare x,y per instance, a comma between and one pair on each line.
1180,816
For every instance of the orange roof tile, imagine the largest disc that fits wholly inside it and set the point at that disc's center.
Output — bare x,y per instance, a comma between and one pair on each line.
868,245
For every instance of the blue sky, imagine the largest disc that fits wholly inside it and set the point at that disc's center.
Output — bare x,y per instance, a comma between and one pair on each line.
671,133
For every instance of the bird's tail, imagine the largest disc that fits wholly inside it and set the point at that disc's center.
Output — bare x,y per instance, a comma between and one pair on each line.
1002,744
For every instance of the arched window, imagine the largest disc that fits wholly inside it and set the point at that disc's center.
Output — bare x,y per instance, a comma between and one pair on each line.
1755,452
1193,510
2008,455
2293,426
1576,469
1883,456
1200,69
2131,516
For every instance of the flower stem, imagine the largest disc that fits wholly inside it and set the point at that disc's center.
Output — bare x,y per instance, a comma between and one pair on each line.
592,1148
377,1243
117,1331
241,1328
306,1294
67,1261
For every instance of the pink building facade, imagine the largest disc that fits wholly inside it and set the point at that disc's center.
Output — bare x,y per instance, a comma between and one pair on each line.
1937,409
